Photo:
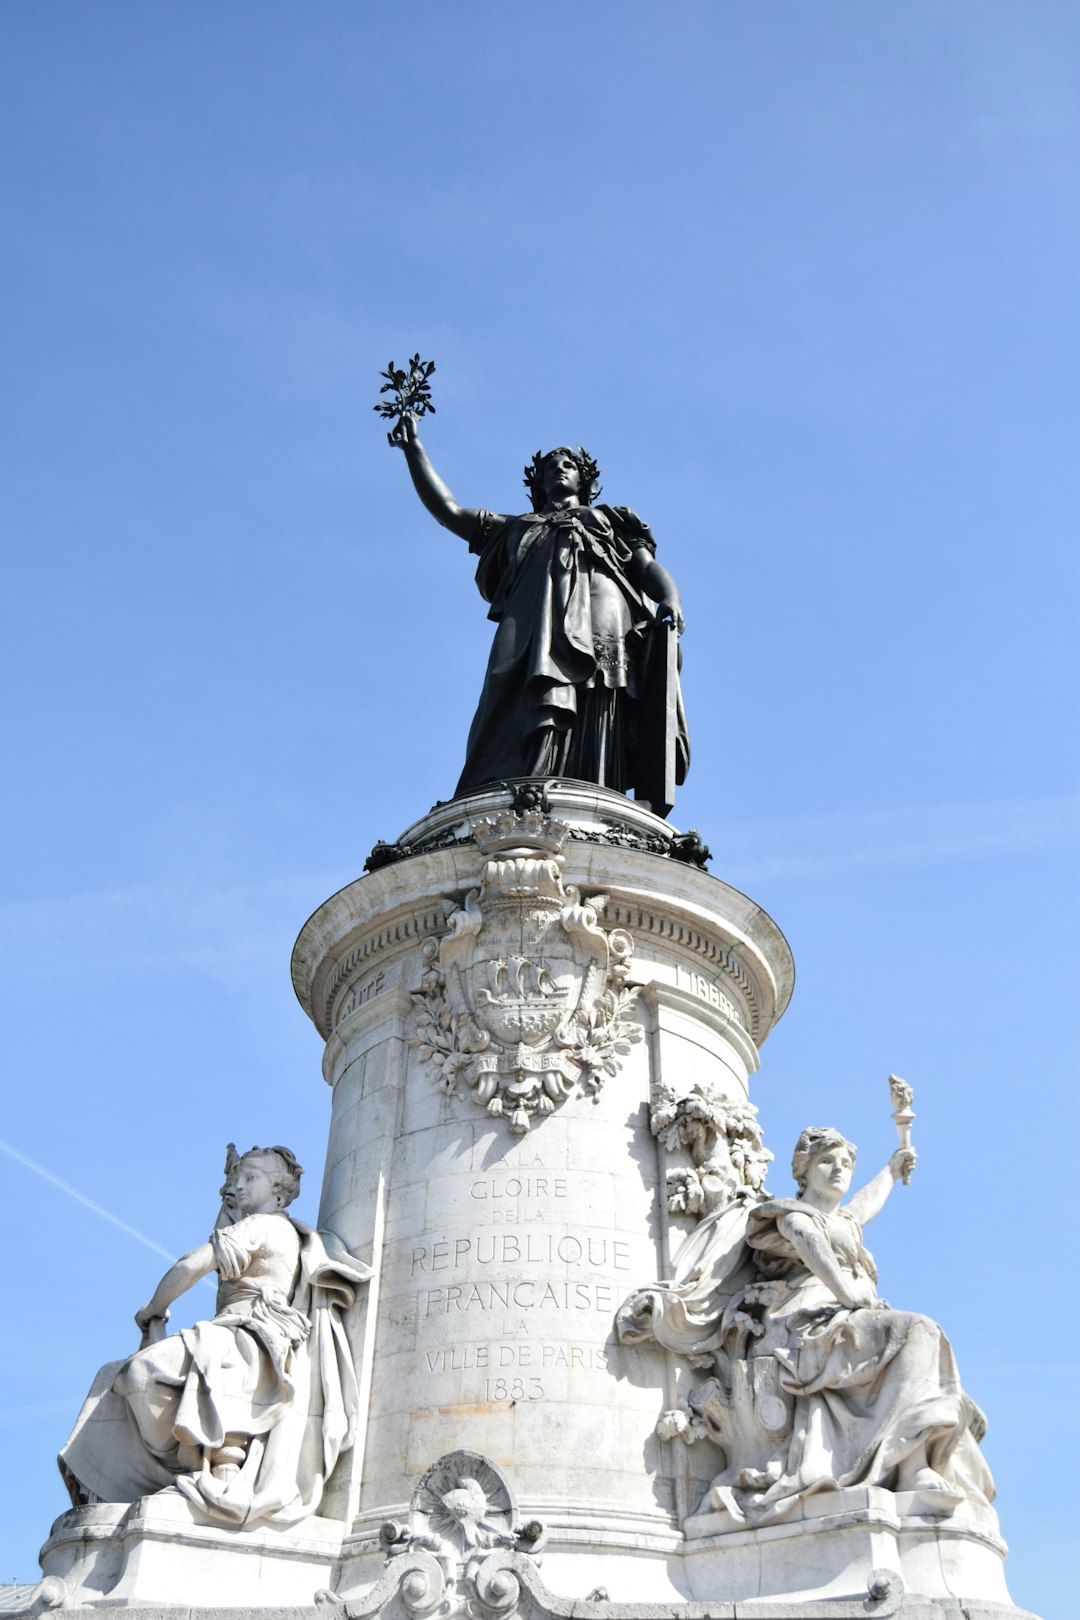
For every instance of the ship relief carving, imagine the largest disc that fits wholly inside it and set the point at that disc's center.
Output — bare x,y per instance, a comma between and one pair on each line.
524,1000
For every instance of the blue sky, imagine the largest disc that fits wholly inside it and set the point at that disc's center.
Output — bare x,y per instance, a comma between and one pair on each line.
803,279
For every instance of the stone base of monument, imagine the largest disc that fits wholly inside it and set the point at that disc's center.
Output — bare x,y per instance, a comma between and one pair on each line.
833,1542
156,1553
827,1562
539,1011
839,1545
510,1191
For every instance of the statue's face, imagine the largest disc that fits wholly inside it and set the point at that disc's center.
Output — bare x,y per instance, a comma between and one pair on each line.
561,474
252,1189
830,1172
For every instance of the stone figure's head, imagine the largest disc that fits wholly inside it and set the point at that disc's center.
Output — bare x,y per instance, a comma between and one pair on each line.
559,473
819,1143
259,1178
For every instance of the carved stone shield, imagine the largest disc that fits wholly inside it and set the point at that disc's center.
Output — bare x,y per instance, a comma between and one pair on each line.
524,998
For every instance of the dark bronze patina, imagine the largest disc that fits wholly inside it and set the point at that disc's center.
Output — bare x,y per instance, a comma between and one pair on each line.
583,678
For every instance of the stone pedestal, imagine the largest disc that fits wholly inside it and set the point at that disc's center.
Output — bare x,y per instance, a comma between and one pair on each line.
832,1545
157,1552
504,1244
509,1000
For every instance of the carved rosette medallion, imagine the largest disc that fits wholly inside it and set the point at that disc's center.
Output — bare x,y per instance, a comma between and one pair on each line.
524,1000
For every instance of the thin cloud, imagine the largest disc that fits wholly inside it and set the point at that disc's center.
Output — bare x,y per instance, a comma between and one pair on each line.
813,846
236,933
242,933
81,1198
96,1208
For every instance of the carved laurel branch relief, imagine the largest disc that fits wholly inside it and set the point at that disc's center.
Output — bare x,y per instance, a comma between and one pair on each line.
524,999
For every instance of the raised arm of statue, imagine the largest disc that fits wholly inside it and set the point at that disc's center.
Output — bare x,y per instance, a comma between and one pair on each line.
460,520
583,677
875,1395
868,1201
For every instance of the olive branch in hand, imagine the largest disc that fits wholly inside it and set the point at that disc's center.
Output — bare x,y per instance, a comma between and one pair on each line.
411,388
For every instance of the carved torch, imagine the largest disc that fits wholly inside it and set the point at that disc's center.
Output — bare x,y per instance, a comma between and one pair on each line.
901,1096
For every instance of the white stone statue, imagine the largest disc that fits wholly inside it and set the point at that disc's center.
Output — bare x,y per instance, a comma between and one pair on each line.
817,1383
244,1415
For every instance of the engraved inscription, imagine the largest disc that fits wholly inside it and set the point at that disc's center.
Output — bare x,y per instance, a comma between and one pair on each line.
515,1369
513,1389
699,984
533,1248
499,1300
458,1357
521,1187
527,1294
365,991
501,1198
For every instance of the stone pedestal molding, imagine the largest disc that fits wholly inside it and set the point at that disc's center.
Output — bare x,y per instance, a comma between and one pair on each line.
514,1000
508,1218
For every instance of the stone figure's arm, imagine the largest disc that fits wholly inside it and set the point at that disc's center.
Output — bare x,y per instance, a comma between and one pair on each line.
657,584
869,1199
816,1252
187,1271
460,520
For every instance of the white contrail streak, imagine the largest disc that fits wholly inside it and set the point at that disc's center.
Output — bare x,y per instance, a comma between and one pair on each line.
81,1198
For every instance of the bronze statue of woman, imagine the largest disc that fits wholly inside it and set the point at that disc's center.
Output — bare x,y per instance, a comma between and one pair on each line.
582,681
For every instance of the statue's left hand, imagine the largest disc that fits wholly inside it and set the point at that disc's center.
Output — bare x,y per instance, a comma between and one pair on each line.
902,1163
671,612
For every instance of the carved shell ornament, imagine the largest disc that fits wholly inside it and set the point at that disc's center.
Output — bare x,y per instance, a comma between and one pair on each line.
462,1549
524,999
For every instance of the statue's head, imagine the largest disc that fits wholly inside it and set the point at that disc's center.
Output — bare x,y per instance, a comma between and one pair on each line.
814,1143
562,472
277,1164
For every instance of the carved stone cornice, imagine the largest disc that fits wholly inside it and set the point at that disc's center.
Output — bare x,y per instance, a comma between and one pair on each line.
408,927
393,1006
727,1024
694,919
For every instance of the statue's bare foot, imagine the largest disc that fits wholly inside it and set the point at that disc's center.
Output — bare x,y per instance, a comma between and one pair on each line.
928,1482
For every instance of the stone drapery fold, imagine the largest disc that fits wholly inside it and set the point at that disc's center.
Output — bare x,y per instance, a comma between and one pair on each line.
277,1371
869,1387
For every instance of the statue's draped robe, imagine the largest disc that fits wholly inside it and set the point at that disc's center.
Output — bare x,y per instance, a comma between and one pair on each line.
870,1386
273,1368
574,653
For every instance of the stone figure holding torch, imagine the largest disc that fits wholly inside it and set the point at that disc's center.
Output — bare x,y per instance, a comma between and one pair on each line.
901,1096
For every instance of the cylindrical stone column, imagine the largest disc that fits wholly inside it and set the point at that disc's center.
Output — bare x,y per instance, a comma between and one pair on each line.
502,1004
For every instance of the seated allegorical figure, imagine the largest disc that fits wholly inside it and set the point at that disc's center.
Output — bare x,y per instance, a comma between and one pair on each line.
245,1415
817,1383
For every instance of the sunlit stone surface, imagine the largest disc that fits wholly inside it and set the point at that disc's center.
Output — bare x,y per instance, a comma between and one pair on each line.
533,1006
